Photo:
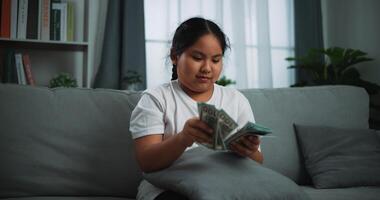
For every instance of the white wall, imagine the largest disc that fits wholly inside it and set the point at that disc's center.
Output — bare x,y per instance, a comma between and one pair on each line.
354,24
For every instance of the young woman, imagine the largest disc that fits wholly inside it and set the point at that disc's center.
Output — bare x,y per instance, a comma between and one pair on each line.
165,122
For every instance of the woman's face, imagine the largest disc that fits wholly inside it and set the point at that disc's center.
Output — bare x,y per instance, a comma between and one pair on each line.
200,65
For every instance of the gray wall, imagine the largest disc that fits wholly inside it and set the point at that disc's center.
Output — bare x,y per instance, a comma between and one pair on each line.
354,24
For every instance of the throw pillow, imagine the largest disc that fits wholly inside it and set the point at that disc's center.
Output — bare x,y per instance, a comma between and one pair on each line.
203,174
336,157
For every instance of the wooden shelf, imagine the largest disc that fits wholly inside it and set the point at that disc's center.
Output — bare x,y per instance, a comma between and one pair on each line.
39,44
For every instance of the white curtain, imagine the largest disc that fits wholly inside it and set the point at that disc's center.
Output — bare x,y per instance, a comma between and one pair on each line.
260,32
97,22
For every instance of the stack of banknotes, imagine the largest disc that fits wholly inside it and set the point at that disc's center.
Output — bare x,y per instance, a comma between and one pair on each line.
225,128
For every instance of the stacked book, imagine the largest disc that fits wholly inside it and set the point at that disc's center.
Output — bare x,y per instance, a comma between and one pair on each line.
17,68
37,19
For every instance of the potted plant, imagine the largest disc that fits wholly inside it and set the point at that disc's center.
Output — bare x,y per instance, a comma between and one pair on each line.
224,81
63,80
337,68
132,80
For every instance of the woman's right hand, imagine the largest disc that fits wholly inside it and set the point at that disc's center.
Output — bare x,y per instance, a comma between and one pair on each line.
196,130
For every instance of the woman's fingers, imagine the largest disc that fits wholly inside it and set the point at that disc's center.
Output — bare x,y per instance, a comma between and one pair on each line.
199,130
202,126
200,136
246,146
235,147
251,142
254,139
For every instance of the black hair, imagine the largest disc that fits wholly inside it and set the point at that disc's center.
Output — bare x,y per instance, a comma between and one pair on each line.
189,31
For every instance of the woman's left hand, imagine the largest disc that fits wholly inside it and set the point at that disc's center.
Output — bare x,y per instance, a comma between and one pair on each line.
248,147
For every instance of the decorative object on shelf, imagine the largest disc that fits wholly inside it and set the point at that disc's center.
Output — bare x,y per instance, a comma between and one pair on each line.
336,68
63,80
133,80
224,81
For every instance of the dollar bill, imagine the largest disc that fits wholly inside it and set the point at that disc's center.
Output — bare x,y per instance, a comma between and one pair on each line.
209,114
249,128
226,123
224,127
219,121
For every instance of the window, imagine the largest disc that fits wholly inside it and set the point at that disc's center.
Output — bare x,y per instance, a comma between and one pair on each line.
260,33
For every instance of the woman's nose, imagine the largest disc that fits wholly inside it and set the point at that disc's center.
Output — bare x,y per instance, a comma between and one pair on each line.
206,68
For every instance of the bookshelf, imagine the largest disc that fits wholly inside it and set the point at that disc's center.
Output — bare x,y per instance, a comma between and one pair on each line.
40,44
50,57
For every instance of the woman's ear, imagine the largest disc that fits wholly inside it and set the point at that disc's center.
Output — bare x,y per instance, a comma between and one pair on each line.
173,57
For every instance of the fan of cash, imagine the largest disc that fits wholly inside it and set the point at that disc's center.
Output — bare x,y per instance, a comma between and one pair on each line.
225,127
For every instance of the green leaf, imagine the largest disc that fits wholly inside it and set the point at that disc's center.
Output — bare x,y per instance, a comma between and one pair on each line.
224,81
132,77
333,66
290,59
63,80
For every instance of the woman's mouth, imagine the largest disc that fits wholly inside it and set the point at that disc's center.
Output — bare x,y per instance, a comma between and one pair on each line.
203,79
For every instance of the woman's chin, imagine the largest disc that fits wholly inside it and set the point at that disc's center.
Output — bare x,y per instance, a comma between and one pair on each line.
198,87
202,88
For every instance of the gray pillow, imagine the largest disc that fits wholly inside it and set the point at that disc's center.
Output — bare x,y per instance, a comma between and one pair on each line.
201,174
336,158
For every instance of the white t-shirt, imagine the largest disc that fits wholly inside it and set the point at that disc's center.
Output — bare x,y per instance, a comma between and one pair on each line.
165,109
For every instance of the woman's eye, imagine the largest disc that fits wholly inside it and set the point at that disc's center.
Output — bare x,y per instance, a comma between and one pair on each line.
216,60
197,58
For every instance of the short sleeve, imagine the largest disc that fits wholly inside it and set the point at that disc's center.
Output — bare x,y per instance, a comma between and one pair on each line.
147,118
245,111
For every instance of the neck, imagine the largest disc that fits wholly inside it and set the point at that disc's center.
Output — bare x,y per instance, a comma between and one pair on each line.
197,96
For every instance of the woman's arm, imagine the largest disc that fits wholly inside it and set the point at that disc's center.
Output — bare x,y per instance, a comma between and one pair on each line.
153,153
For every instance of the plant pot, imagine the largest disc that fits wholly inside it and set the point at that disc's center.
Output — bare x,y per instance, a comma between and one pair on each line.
133,87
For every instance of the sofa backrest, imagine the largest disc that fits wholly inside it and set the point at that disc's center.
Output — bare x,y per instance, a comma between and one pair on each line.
66,142
338,106
77,141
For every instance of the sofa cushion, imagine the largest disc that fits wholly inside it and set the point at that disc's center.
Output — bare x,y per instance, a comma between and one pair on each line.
338,106
66,141
337,158
354,193
202,174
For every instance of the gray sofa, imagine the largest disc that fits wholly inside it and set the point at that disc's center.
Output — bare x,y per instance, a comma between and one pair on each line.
74,143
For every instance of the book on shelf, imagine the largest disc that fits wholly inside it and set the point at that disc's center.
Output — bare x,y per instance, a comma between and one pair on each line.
63,28
32,21
55,21
20,69
45,19
5,31
2,62
60,21
28,69
9,68
0,12
22,19
14,8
